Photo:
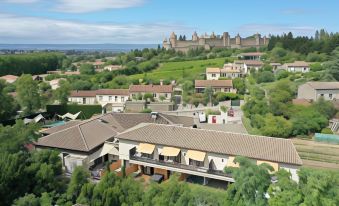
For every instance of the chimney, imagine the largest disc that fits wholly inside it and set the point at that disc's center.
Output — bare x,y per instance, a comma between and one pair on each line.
161,82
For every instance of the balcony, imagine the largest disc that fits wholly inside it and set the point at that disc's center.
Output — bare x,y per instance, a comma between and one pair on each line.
180,166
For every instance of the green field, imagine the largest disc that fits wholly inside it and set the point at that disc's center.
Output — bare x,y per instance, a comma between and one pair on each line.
181,70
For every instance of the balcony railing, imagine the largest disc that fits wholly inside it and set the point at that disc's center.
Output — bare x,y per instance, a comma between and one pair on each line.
180,166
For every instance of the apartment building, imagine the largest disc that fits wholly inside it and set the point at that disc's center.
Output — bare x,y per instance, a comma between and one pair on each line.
165,149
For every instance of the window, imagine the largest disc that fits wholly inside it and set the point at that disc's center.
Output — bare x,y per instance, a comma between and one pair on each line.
154,95
166,95
100,98
116,98
110,98
330,96
213,75
322,95
222,160
122,99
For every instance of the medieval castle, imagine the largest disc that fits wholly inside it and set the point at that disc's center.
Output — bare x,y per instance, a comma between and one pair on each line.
210,41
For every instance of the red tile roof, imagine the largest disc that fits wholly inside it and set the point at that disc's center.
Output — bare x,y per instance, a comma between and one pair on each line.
213,83
151,88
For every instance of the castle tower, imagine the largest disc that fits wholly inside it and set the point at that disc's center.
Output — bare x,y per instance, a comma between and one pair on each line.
173,39
195,36
265,40
226,39
257,39
238,40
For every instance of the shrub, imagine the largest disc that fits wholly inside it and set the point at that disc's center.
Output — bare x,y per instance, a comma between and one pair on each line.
326,131
146,110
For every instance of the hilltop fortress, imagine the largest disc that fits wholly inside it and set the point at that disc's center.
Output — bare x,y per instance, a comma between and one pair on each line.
210,41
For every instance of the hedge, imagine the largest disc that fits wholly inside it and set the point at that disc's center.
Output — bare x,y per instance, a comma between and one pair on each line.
87,111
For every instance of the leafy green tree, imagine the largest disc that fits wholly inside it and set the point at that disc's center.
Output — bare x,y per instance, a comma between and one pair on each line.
276,126
28,94
62,93
7,104
148,97
251,183
285,191
239,84
264,76
87,69
27,200
79,178
45,199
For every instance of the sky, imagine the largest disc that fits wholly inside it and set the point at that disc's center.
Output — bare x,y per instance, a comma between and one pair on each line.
150,21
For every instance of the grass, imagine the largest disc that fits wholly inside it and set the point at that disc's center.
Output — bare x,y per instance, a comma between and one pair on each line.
189,70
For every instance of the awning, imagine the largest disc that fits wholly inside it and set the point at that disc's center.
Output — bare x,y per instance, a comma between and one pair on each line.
170,151
273,164
230,162
146,148
106,149
196,155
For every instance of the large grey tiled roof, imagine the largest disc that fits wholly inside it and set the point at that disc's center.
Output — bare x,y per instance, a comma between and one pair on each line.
324,85
82,137
256,147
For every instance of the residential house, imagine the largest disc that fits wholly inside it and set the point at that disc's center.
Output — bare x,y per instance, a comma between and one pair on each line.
297,66
247,65
110,99
212,73
216,85
231,71
158,91
251,56
113,67
166,149
314,90
9,78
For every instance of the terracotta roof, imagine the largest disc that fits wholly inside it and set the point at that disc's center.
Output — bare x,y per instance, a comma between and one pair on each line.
297,64
83,93
151,88
230,71
213,83
236,144
323,85
9,77
212,70
82,137
275,64
61,127
249,62
112,92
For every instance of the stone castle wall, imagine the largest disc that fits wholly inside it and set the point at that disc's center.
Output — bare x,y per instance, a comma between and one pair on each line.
208,42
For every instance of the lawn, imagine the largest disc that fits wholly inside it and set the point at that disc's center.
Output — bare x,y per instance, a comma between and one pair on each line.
190,70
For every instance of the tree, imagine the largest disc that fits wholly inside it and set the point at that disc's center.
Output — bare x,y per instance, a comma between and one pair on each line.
28,94
276,126
87,69
148,97
79,178
62,93
264,76
27,200
251,183
239,84
7,104
285,191
45,199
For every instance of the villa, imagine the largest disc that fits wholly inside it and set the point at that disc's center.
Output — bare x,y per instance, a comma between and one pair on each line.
216,85
297,66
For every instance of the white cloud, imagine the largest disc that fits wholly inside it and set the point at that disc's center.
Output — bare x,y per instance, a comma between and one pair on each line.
83,6
41,30
265,29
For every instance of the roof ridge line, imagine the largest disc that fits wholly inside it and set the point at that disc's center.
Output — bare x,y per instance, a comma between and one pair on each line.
82,137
